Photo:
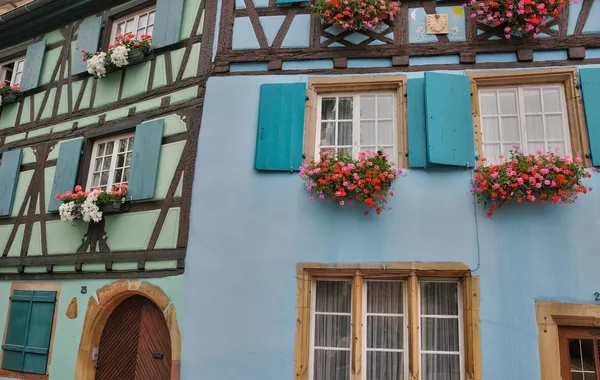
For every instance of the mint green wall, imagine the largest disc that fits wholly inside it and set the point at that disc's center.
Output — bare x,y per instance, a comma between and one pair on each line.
68,332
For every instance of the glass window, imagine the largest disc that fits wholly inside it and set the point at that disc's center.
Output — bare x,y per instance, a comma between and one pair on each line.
111,160
141,22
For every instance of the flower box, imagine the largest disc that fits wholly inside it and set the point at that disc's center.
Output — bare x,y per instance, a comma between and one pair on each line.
533,178
9,98
516,19
126,51
357,15
137,56
344,180
116,207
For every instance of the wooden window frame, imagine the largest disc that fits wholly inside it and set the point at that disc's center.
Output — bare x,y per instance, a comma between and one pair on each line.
580,146
356,85
566,333
135,15
93,154
32,286
412,271
551,315
13,61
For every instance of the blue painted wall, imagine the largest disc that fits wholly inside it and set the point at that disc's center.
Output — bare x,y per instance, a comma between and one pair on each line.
249,230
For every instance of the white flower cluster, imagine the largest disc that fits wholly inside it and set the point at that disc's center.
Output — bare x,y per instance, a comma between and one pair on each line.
119,55
89,209
68,212
96,65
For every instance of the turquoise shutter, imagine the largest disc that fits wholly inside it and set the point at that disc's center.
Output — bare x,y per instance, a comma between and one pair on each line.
29,331
9,176
280,127
417,140
66,171
33,65
282,3
144,162
167,22
88,36
449,122
590,90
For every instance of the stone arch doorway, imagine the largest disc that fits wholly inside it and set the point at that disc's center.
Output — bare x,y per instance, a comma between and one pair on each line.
135,343
100,309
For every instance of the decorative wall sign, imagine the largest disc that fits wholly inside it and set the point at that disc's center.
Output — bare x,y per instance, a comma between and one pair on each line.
437,24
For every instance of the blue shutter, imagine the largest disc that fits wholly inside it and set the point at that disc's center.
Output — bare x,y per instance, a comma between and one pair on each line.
590,90
29,331
449,123
33,65
280,127
9,176
282,3
88,36
144,162
167,22
417,140
66,171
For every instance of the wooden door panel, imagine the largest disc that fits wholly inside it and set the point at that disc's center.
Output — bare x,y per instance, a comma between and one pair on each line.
135,331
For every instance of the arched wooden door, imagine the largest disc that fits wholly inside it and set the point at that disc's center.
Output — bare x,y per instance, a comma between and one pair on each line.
135,343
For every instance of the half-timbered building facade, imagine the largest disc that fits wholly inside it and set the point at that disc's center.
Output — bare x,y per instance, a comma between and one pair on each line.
433,289
100,300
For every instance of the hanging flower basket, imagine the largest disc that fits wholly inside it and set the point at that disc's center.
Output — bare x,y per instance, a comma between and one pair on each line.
91,206
343,180
354,14
127,51
515,18
538,178
8,94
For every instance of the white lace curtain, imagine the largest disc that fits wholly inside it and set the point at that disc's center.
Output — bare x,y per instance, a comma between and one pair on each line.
384,323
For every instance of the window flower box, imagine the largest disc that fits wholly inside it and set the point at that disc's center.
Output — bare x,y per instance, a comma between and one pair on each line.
357,15
126,51
8,94
92,206
343,180
515,19
534,178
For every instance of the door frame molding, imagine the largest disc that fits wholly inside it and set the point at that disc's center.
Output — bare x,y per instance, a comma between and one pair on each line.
551,315
97,313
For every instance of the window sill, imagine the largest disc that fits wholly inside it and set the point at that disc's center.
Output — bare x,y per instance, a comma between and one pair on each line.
22,375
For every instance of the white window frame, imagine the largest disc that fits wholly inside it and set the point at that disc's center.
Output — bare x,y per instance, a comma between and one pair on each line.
136,18
461,343
113,164
521,118
14,72
405,316
356,120
313,304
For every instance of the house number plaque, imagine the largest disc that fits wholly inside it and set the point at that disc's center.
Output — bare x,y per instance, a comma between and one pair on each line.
437,24
597,296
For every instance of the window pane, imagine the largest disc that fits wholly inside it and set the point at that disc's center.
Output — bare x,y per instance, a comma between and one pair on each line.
96,179
385,365
151,18
385,107
328,133
331,365
440,367
344,133
367,107
439,334
334,296
510,129
104,179
150,30
109,148
552,100
587,355
492,152
575,355
122,145
535,127
508,102
118,175
385,133
533,147
488,103
554,126
532,100
439,298
345,109
120,160
385,297
101,148
368,133
385,332
491,129
98,164
328,109
333,331
106,163
143,21
125,176
128,160
130,26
